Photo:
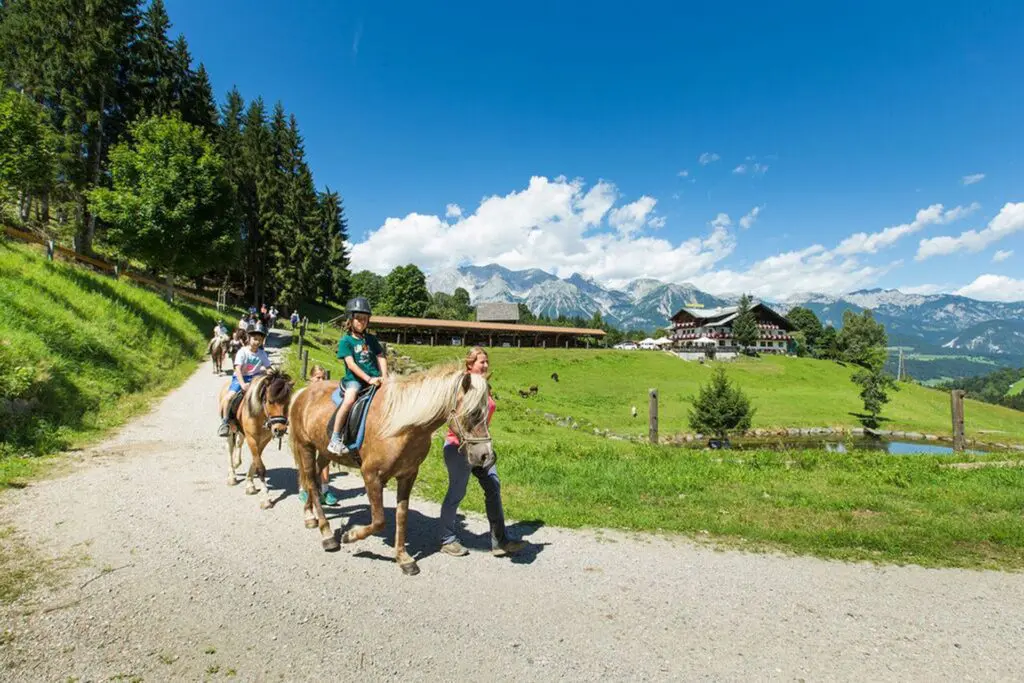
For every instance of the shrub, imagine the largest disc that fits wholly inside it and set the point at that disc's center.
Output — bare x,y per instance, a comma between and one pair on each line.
721,407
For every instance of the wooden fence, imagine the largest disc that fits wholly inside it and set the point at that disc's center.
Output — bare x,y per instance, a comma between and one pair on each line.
102,265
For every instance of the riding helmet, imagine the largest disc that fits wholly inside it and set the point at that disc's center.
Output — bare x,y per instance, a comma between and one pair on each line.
359,305
260,330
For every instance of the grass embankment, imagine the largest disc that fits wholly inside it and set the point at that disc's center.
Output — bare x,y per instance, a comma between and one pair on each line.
854,506
81,353
1016,388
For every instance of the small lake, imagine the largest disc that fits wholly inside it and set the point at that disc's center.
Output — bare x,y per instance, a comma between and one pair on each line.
862,444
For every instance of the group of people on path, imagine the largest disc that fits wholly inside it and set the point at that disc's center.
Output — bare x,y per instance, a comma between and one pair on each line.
366,365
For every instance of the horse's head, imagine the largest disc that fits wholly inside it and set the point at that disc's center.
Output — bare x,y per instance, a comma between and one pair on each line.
272,396
468,420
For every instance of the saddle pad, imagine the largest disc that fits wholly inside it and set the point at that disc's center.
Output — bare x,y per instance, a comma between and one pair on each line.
352,434
234,405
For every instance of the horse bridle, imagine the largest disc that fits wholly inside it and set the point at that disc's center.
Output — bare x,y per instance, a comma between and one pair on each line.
455,424
276,419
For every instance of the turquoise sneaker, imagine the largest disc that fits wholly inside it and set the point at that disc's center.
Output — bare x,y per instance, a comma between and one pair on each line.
303,497
329,498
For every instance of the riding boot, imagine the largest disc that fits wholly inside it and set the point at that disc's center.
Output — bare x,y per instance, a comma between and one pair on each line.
501,545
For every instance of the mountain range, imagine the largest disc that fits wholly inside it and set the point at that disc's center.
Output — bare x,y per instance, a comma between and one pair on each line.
931,323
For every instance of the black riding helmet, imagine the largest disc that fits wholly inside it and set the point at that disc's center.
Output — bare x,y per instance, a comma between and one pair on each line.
260,330
358,305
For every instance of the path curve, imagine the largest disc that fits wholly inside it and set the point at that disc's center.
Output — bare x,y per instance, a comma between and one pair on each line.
205,584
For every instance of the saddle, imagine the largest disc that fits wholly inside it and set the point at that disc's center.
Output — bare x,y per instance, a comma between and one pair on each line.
233,405
355,424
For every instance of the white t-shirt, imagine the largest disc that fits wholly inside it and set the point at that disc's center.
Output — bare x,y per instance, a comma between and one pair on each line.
243,324
251,362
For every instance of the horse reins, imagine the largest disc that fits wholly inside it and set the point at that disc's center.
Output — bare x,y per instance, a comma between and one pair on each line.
273,420
456,424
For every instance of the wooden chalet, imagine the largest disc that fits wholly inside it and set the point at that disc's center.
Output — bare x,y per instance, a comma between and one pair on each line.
432,332
697,329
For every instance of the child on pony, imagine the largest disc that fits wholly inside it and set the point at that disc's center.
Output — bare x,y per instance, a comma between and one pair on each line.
365,365
250,361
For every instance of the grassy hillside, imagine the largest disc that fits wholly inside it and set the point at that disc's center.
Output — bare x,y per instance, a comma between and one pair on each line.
1016,388
82,352
601,387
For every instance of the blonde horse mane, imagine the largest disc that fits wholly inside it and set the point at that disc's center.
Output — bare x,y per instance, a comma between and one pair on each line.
425,397
254,399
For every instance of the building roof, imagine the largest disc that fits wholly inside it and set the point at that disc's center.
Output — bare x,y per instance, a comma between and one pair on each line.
394,322
719,316
497,312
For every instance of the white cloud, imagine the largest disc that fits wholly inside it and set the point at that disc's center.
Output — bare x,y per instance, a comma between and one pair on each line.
722,220
973,178
994,288
753,169
924,289
551,224
453,211
1009,220
1002,255
683,174
864,243
629,219
749,219
708,158
657,222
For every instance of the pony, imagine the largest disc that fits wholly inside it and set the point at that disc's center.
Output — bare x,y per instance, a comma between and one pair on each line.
404,414
262,415
218,348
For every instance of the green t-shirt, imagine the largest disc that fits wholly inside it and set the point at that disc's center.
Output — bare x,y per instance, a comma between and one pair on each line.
364,351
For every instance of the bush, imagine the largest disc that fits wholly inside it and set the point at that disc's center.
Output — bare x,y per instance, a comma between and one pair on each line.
720,407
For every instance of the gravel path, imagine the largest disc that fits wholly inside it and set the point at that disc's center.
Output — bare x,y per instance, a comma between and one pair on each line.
188,579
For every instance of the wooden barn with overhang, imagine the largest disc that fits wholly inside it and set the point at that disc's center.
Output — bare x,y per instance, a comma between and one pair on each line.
696,329
431,332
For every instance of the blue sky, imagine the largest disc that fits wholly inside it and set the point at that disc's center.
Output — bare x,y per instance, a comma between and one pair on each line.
817,122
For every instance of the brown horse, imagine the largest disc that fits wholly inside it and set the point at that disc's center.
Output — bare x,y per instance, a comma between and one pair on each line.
262,415
218,350
404,414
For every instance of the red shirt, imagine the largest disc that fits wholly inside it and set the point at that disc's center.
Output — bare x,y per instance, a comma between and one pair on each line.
452,440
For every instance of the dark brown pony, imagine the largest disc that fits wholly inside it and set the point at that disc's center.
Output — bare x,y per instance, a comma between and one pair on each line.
218,349
261,416
404,414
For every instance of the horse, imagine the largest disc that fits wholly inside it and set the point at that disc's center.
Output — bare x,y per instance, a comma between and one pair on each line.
262,415
404,414
239,339
218,348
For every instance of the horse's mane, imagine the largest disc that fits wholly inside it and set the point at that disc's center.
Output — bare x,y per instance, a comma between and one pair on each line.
422,398
278,389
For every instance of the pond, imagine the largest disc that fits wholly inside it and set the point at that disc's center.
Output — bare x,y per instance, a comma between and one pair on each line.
846,445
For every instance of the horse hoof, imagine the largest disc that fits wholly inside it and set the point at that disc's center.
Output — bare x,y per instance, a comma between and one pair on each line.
330,544
410,568
250,491
266,505
232,481
347,537
311,524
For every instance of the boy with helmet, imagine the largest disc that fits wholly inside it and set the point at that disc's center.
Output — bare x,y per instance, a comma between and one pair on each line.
250,361
365,364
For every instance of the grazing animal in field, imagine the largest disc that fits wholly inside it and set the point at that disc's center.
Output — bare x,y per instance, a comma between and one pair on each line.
533,390
404,414
524,394
554,376
634,411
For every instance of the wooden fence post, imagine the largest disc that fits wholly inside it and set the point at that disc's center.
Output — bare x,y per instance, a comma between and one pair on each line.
300,342
305,363
49,250
957,401
652,425
327,373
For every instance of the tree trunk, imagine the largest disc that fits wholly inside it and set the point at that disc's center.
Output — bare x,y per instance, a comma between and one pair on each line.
46,209
88,232
170,287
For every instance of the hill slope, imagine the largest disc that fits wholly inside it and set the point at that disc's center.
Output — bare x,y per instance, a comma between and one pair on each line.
81,352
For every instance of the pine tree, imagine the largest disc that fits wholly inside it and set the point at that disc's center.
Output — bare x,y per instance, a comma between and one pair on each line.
198,106
257,167
720,407
334,281
744,327
155,70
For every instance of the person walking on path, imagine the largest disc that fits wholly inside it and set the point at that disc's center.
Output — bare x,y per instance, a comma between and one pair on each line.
459,470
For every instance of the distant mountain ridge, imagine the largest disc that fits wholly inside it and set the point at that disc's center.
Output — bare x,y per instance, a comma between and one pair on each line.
937,320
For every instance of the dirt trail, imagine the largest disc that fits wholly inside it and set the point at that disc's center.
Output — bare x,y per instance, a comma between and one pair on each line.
188,579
